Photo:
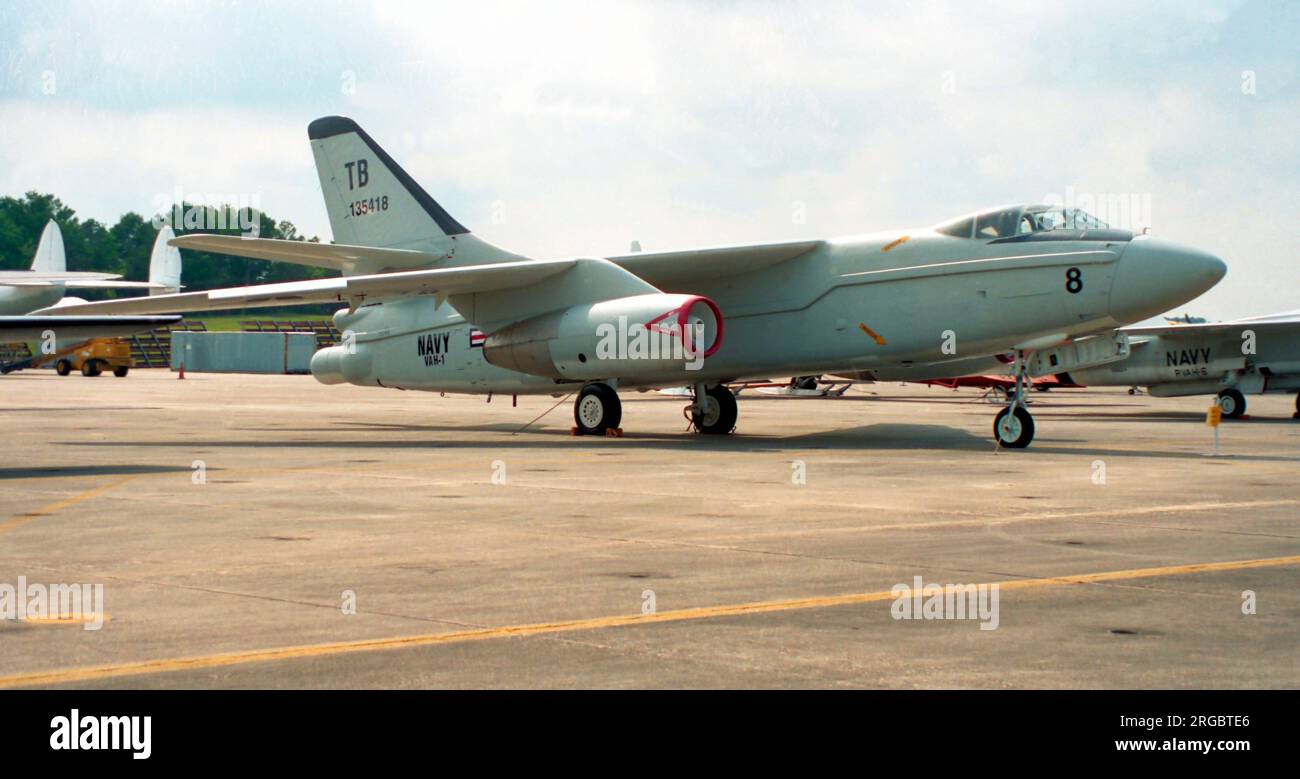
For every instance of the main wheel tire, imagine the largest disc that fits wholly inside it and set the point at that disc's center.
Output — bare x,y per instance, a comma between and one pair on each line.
91,368
720,412
1013,432
597,409
63,367
1232,403
120,371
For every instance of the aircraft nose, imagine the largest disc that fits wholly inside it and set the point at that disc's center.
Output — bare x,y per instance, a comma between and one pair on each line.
1155,275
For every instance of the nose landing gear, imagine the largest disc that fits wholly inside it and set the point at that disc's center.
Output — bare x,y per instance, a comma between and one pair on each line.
1013,427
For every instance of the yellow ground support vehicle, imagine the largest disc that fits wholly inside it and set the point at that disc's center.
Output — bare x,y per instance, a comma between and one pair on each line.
94,357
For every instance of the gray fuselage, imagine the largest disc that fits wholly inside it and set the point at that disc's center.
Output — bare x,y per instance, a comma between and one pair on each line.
897,299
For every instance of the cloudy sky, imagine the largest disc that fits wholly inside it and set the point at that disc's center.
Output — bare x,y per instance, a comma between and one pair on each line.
556,128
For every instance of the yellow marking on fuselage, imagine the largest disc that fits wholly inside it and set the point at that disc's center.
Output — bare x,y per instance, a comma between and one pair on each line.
894,243
877,337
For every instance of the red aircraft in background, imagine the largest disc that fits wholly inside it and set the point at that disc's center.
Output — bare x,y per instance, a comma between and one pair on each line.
1002,386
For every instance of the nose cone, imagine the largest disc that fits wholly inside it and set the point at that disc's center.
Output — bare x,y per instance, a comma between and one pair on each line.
1155,275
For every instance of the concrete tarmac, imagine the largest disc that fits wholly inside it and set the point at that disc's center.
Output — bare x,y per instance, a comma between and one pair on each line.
268,531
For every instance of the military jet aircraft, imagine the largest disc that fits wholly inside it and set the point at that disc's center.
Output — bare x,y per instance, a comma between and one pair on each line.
431,306
48,280
1228,359
46,284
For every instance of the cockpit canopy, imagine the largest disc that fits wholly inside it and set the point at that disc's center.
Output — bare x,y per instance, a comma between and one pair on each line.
1010,221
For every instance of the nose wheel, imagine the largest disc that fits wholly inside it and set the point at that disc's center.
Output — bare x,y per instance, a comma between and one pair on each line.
597,409
1013,427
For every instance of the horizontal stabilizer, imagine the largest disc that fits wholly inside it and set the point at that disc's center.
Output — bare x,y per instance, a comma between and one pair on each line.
28,278
345,289
109,284
350,260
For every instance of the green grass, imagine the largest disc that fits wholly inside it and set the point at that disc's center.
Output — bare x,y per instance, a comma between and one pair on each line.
232,323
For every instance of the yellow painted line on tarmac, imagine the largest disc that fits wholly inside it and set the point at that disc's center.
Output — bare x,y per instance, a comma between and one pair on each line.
66,619
45,511
71,675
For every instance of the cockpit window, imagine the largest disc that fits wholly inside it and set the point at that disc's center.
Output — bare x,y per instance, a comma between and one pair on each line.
1020,220
1059,218
997,224
958,228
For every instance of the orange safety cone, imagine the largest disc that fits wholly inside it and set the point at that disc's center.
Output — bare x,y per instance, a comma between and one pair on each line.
181,373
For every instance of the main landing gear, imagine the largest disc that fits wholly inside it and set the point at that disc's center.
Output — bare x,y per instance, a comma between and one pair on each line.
1013,427
714,410
597,410
1232,403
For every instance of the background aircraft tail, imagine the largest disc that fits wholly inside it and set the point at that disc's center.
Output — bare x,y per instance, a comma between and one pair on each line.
49,252
371,201
164,264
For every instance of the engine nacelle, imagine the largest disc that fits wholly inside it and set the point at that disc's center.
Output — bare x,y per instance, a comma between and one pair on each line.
347,362
652,335
327,365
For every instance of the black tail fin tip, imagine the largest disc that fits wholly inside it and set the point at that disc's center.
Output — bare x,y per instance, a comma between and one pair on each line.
330,126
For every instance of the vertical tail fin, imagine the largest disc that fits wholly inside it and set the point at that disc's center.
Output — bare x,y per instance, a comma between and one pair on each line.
371,201
165,264
49,252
